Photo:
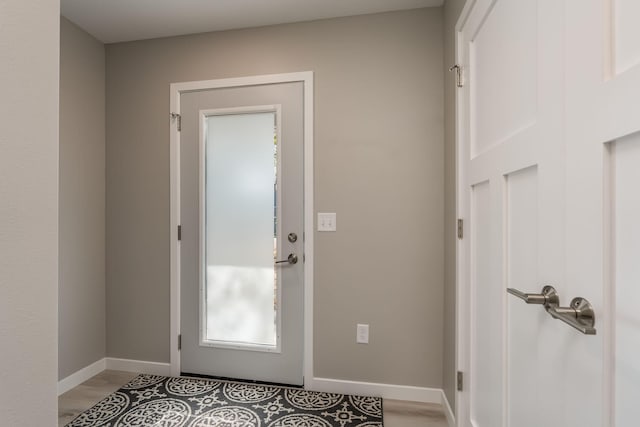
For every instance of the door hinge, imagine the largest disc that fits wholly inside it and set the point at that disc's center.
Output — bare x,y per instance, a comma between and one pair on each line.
460,228
179,232
178,118
459,383
458,70
179,341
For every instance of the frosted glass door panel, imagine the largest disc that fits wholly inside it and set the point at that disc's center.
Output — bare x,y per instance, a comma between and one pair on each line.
240,289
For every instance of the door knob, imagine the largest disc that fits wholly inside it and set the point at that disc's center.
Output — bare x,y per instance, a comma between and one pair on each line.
547,297
579,315
291,259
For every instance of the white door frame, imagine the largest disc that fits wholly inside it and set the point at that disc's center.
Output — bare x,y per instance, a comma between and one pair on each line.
176,90
462,256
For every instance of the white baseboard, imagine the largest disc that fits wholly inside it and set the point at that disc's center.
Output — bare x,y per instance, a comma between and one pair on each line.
115,364
140,366
386,391
77,378
451,418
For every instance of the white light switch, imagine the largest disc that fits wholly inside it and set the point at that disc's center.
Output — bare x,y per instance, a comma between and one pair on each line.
362,334
326,221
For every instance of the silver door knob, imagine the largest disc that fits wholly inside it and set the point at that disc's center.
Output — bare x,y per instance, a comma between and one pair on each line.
291,259
547,297
579,315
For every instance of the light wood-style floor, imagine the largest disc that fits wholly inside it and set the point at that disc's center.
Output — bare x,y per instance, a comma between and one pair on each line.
396,413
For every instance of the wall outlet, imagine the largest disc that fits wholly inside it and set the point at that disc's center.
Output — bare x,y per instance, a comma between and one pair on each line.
326,221
362,334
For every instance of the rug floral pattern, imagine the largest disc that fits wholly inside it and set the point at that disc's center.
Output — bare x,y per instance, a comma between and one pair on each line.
158,401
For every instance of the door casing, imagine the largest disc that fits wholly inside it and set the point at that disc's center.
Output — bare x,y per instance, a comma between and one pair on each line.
176,89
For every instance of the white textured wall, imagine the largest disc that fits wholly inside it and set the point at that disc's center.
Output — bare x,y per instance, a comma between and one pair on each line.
29,46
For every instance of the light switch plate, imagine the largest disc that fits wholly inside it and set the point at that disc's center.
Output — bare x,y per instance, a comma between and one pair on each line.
326,221
362,333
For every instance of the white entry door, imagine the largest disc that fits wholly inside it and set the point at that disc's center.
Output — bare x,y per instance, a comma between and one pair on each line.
242,261
549,168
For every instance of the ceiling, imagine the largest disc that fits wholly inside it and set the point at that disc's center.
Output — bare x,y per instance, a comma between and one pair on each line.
123,20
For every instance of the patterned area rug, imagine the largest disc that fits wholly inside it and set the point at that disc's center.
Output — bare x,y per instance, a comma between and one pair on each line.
151,400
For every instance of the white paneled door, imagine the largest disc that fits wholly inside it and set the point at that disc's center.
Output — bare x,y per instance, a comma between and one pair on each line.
548,177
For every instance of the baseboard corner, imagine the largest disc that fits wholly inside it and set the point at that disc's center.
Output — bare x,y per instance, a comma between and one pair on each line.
80,376
448,412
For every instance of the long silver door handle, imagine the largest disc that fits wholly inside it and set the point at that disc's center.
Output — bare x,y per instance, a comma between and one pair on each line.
291,259
579,315
547,297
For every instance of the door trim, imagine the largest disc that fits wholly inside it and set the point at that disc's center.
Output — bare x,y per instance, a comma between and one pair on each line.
462,212
176,90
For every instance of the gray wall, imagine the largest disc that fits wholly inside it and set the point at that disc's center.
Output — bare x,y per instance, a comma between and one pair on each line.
81,293
378,158
452,9
29,49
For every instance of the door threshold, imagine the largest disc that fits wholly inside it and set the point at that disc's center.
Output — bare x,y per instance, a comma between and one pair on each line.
239,380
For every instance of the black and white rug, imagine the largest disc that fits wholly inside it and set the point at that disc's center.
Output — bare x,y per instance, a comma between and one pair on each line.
152,400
